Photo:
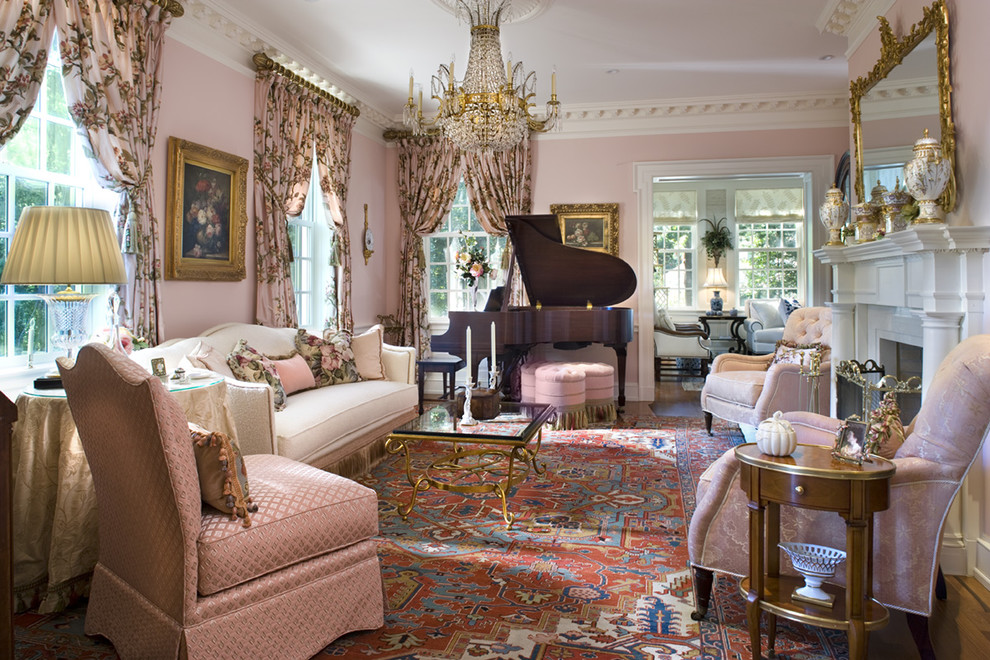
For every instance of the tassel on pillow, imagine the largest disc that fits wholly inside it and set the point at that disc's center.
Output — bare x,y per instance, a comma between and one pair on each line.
223,480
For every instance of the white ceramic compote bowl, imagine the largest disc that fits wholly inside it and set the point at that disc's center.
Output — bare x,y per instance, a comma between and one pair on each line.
815,563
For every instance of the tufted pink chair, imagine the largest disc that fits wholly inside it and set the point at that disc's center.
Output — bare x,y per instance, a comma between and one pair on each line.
945,438
747,389
177,578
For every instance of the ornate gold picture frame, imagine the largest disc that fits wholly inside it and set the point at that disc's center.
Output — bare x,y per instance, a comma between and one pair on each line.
589,226
205,215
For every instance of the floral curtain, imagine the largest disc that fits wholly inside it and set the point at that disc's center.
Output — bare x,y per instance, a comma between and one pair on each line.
26,33
500,184
429,172
283,161
112,72
333,161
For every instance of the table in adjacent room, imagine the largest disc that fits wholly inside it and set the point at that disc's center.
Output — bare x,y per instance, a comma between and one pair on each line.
489,457
732,323
811,478
56,542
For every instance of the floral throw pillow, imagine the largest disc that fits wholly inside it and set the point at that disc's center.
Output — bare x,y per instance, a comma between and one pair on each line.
329,357
251,366
801,354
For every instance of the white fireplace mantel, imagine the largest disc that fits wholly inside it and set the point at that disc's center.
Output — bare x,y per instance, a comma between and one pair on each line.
921,286
926,281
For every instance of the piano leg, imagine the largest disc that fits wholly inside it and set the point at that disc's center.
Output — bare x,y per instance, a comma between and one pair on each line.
620,359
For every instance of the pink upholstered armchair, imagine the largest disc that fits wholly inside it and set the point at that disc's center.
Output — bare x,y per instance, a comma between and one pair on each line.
747,389
943,441
177,578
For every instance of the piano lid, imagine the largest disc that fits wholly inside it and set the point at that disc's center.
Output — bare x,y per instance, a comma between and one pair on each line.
558,275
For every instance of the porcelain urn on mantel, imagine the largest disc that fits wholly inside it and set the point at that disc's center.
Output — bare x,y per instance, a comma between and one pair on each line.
866,222
893,202
926,176
834,213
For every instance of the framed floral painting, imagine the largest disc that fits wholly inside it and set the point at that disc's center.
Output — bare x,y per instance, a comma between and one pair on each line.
205,214
589,226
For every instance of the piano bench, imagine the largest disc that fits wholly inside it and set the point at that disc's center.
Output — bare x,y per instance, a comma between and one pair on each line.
447,366
561,386
599,390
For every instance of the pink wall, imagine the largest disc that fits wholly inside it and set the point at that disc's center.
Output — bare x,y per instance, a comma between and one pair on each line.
207,103
211,104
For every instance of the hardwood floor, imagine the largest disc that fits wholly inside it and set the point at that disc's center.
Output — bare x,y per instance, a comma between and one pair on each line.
959,625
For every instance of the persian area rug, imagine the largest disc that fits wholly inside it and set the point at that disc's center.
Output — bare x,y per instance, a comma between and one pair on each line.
595,565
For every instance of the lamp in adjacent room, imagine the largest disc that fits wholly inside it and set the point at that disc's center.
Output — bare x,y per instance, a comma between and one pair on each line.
716,280
63,246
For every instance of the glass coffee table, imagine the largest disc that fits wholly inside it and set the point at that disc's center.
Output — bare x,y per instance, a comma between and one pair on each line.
489,457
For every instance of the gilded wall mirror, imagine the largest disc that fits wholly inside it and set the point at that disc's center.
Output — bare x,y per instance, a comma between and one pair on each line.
907,91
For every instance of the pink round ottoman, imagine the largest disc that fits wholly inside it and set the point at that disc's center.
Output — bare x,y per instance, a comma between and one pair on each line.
562,387
599,390
527,380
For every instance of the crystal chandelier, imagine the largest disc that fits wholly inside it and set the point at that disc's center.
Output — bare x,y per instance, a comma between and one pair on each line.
489,110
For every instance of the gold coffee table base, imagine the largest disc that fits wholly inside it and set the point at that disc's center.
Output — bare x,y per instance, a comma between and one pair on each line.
482,470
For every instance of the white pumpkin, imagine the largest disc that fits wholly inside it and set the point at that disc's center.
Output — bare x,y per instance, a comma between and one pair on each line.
776,436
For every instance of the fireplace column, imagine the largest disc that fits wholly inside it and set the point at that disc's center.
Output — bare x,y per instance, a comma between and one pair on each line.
843,341
941,332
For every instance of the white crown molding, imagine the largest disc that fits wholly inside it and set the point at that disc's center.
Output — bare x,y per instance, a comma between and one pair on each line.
233,41
838,16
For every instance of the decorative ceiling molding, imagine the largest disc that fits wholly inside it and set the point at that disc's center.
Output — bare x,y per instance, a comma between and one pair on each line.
838,16
519,11
227,39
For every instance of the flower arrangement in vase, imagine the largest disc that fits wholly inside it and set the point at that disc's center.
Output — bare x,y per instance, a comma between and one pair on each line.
472,263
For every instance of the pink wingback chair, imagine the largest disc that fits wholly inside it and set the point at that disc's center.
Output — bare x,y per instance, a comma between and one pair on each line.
747,389
945,438
177,578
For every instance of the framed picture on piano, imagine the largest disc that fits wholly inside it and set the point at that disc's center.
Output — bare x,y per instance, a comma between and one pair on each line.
589,226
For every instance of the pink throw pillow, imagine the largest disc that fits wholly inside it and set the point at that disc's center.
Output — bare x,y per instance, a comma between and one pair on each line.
367,348
295,374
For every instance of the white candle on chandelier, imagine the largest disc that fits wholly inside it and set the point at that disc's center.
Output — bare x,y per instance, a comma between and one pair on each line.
553,82
410,84
468,358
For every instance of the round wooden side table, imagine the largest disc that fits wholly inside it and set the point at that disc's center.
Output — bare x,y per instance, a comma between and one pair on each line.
811,478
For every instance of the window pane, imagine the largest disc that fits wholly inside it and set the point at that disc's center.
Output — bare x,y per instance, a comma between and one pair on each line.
3,203
3,330
67,195
673,264
28,192
24,149
24,311
59,147
55,96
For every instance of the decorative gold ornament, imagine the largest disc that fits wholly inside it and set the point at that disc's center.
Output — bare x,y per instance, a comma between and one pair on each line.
369,238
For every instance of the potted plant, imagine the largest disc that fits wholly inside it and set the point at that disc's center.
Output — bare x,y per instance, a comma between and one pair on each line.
717,239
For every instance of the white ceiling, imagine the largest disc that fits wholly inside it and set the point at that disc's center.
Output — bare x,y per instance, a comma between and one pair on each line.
609,55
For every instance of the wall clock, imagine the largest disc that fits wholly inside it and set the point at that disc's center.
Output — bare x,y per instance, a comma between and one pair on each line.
369,238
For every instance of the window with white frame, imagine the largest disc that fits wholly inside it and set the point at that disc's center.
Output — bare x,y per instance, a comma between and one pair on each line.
43,165
447,290
766,216
675,219
314,266
770,231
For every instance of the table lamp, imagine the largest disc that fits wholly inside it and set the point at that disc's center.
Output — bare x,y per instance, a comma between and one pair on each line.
65,245
716,280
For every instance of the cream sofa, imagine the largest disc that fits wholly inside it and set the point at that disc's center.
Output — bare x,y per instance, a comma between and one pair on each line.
340,428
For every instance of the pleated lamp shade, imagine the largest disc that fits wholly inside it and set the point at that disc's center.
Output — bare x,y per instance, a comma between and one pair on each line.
64,245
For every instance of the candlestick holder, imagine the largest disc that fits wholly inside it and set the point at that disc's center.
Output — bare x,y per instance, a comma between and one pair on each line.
493,377
467,419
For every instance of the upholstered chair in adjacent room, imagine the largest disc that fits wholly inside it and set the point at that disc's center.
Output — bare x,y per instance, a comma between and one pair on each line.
945,438
178,578
747,389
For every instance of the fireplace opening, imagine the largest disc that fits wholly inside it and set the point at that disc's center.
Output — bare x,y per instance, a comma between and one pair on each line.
861,386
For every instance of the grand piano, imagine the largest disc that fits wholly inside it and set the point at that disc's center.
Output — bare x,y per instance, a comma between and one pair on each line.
571,292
